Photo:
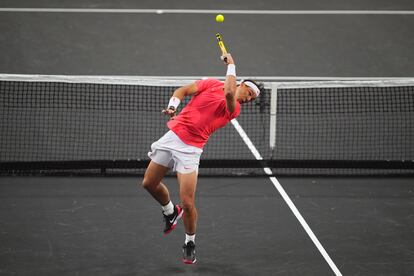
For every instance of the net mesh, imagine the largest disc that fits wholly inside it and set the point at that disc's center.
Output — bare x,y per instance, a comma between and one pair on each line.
367,123
103,125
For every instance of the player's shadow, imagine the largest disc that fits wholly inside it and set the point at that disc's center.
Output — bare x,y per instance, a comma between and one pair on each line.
205,268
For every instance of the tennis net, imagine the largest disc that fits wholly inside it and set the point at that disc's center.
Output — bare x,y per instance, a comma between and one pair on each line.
105,125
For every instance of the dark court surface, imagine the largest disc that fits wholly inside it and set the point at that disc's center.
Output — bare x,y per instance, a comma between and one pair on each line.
110,226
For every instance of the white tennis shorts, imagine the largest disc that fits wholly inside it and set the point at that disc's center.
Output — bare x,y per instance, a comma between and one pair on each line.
169,151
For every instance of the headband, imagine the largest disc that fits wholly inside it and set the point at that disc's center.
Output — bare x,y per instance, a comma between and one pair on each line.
252,86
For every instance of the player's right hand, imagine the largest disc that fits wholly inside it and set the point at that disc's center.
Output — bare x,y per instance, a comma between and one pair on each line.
169,112
227,59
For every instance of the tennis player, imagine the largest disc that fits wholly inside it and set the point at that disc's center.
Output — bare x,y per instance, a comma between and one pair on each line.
212,106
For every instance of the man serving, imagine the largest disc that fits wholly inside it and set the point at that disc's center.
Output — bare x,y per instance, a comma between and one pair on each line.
213,104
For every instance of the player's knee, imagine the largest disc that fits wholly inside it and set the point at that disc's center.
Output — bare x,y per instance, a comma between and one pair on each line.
188,204
147,183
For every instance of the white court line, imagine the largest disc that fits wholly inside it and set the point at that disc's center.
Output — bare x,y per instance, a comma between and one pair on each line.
279,78
258,78
195,11
286,197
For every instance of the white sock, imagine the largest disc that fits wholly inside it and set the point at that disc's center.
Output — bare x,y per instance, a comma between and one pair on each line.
168,209
189,238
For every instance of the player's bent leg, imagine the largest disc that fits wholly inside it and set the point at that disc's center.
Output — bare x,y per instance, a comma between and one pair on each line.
152,182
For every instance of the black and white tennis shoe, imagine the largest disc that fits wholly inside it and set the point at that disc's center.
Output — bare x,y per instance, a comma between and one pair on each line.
189,256
171,220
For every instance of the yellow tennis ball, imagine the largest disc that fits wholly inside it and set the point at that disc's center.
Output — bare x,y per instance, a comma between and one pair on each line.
219,18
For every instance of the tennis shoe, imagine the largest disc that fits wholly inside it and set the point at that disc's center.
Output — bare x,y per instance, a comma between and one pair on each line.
189,253
171,220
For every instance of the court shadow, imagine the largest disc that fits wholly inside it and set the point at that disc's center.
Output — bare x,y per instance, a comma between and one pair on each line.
203,268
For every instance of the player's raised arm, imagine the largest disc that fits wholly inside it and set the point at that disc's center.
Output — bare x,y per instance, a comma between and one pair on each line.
230,84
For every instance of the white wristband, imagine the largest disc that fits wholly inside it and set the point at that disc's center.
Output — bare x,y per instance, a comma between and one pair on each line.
231,70
174,102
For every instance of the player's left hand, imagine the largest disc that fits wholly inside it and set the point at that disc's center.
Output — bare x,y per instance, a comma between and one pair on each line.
169,112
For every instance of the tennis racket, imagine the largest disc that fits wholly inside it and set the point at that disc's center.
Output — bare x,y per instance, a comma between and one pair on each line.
221,45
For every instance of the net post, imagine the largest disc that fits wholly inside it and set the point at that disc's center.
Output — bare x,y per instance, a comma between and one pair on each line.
273,111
